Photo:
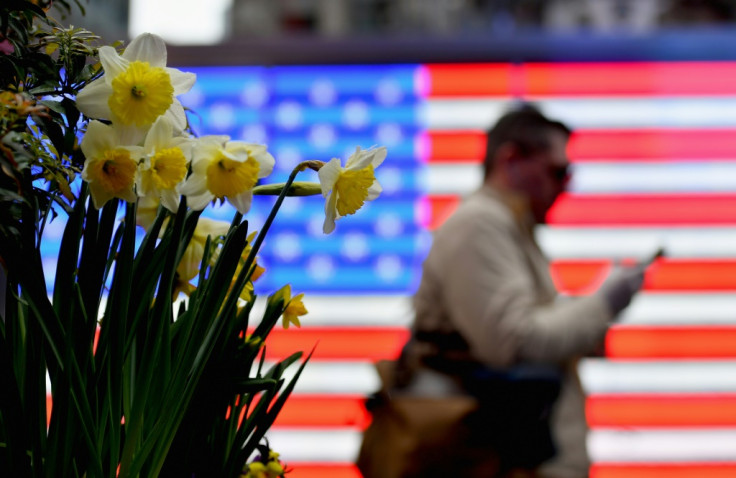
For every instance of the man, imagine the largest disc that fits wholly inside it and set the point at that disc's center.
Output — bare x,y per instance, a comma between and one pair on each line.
488,314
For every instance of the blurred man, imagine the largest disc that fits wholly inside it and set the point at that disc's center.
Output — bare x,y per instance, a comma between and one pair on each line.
488,315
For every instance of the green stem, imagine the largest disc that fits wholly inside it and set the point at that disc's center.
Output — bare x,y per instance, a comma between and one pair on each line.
271,216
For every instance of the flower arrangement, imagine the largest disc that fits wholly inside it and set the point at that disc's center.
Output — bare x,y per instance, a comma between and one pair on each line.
142,383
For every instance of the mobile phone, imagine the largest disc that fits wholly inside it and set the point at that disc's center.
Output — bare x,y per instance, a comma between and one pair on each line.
659,253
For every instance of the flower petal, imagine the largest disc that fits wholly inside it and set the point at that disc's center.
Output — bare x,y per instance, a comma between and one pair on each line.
159,135
378,155
330,214
328,175
130,134
147,47
194,185
358,160
181,81
374,191
99,194
199,201
211,227
176,115
98,138
129,196
112,63
242,201
170,199
266,162
92,99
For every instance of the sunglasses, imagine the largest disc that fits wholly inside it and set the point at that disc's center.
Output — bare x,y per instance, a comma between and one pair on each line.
560,173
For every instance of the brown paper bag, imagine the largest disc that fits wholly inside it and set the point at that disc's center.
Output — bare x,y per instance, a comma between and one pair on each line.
413,437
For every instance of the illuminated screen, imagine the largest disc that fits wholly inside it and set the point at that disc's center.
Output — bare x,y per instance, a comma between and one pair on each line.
654,164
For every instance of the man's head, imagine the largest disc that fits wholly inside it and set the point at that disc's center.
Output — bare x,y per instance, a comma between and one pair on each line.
526,154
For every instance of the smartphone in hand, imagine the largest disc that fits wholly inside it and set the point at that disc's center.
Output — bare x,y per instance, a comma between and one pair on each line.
647,262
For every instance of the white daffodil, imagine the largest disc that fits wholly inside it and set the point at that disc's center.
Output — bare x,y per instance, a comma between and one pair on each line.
136,87
223,169
165,163
346,189
110,166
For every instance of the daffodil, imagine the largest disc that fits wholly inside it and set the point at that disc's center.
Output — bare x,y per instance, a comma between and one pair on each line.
223,169
256,470
165,163
191,261
293,306
136,87
110,166
346,189
274,469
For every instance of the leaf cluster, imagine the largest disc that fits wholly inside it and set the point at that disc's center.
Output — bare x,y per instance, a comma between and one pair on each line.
42,67
142,386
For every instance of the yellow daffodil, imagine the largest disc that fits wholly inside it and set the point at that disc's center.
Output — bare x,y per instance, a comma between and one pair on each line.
293,306
223,169
191,261
246,295
110,167
271,469
274,469
256,470
137,87
165,163
346,189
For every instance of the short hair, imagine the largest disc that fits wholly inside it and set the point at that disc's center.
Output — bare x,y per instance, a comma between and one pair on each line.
524,126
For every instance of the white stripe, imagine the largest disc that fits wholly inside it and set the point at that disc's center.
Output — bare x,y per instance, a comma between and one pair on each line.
626,178
600,376
346,378
638,243
603,177
589,112
680,309
335,445
675,308
341,445
673,446
373,310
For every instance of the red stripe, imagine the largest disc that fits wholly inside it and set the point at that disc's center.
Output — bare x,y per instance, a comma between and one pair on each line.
644,209
665,275
653,144
661,410
622,342
617,210
582,79
324,411
322,470
338,343
470,79
591,145
619,79
671,342
663,470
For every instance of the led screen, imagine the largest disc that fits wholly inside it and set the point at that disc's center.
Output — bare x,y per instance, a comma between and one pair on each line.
654,165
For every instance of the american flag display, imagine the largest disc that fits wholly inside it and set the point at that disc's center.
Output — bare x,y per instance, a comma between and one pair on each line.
654,165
